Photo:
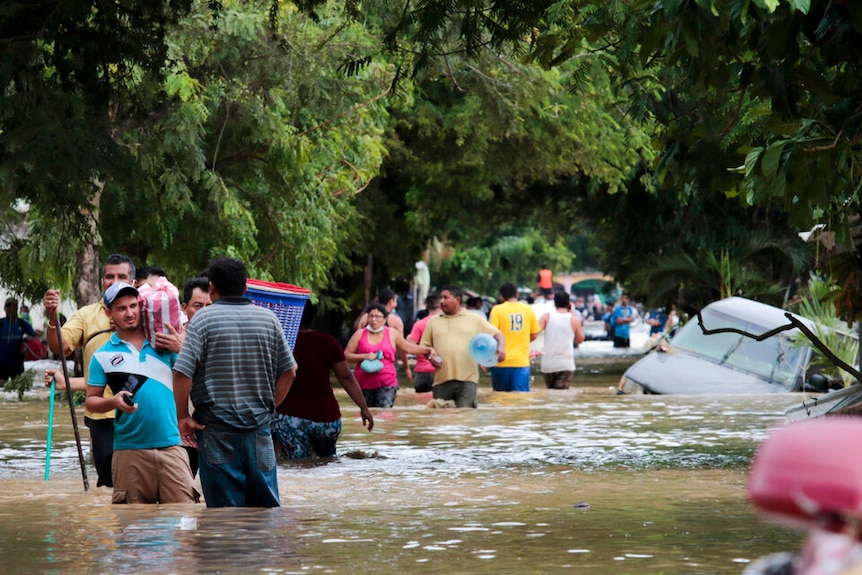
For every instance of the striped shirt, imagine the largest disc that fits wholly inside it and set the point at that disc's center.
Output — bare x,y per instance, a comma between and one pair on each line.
233,352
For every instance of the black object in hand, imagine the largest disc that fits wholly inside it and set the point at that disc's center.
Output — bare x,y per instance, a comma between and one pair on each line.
128,399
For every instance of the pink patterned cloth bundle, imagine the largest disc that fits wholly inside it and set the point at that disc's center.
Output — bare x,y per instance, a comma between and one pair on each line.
160,305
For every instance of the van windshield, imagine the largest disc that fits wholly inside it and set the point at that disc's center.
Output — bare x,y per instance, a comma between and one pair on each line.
776,359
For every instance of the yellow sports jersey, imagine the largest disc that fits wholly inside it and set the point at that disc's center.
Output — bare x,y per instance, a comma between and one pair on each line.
518,322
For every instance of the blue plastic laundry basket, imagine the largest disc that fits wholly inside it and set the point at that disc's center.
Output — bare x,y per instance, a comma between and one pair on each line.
285,300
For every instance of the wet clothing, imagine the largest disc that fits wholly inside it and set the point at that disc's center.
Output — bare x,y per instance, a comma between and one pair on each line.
148,463
559,349
450,336
463,393
234,352
309,419
558,379
153,476
517,321
423,381
238,469
386,377
11,337
380,396
621,330
302,438
88,329
510,378
423,373
147,374
311,396
422,363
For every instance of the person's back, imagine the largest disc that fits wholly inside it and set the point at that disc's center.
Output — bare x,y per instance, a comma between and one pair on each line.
563,330
237,356
240,367
519,325
311,396
517,321
308,420
559,351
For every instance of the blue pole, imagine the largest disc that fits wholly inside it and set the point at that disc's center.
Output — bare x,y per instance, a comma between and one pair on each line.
50,430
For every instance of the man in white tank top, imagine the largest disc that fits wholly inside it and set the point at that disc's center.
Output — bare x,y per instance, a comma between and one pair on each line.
563,330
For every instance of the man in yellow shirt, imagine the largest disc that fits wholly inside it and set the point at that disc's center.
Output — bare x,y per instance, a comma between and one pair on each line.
517,321
457,374
89,328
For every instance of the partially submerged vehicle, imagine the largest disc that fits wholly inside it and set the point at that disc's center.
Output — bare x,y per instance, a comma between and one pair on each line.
730,362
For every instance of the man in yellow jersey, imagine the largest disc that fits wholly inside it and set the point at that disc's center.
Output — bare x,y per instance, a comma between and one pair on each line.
89,328
517,321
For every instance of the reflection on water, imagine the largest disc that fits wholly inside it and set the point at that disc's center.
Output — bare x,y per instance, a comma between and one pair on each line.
578,481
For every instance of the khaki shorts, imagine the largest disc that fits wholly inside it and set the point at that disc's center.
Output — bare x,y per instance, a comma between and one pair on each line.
153,476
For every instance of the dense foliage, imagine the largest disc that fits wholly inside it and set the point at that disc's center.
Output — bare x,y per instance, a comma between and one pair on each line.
315,138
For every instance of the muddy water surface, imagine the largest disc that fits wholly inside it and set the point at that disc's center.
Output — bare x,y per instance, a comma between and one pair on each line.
576,481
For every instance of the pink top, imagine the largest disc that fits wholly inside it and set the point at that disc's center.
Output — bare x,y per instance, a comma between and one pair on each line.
386,377
422,363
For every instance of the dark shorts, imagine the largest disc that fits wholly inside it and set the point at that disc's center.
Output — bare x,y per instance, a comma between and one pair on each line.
11,371
423,381
510,378
380,397
621,342
302,438
558,379
102,445
463,393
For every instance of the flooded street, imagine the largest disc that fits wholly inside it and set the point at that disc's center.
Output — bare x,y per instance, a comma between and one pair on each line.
574,481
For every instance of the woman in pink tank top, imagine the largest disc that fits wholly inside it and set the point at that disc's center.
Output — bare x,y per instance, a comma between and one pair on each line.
377,342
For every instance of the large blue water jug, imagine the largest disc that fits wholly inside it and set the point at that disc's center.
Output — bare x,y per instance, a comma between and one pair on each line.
483,349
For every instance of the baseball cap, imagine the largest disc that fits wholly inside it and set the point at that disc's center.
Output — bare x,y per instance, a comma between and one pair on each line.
117,289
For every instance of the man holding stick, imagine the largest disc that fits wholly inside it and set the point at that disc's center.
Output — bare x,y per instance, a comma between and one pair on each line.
89,328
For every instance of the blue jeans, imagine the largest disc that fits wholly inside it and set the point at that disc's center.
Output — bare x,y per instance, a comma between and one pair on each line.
510,378
238,469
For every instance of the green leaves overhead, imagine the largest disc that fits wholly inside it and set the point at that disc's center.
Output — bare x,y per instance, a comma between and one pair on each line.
261,146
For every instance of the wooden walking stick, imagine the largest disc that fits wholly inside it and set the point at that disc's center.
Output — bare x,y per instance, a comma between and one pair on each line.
71,403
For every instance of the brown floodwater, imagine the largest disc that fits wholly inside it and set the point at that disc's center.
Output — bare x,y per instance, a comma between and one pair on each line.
575,481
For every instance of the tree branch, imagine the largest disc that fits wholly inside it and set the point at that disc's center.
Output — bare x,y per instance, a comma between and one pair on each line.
794,323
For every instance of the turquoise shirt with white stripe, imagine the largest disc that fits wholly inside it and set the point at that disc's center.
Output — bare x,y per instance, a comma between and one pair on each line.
147,373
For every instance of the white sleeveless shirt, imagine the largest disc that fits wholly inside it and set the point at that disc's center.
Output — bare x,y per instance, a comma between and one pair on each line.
559,350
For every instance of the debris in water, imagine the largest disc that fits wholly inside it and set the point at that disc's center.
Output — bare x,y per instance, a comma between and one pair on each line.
360,454
582,505
440,403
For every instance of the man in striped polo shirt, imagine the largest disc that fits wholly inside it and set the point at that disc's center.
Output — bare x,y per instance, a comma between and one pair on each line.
237,366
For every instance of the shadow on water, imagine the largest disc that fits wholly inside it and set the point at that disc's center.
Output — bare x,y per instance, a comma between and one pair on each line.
579,481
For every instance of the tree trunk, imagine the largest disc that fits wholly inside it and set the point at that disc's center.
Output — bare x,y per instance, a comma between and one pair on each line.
88,281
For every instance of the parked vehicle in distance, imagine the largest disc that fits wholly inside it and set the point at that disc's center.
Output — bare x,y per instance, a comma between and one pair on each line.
696,363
